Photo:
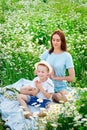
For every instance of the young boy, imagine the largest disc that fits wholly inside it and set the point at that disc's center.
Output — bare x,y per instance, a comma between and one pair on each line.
41,89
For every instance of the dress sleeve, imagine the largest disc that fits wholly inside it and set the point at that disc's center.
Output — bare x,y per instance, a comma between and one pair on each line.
69,61
44,55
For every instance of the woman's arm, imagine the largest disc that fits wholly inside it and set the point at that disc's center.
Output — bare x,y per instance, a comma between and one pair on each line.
69,78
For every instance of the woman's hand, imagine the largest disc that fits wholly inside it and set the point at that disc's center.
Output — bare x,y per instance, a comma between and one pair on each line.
69,78
52,75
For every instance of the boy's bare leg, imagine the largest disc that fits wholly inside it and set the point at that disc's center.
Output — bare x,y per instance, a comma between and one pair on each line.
26,90
23,102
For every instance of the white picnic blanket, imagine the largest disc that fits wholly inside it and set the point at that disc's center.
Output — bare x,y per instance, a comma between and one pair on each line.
12,113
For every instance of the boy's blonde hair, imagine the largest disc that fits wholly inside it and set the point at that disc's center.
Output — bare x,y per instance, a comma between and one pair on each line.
45,64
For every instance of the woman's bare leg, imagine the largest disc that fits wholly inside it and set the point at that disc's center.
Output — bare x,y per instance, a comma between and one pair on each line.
63,93
59,97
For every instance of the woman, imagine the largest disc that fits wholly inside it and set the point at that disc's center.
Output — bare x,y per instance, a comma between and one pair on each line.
60,60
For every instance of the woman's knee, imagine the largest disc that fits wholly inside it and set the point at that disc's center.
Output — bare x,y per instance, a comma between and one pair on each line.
59,98
56,97
63,92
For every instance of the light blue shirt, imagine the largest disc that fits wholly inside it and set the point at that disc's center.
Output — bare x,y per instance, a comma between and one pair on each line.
59,62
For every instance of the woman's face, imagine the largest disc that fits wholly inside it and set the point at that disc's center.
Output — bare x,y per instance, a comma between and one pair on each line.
56,41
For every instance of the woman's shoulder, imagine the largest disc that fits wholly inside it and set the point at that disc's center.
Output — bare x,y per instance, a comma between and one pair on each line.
44,55
46,52
68,57
67,54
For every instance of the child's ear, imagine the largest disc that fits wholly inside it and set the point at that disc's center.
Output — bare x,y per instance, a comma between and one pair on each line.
48,74
35,72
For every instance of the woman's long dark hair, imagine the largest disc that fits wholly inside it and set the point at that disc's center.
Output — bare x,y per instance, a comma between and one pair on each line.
63,41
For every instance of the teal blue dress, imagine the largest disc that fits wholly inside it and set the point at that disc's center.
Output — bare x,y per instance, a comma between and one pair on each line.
60,63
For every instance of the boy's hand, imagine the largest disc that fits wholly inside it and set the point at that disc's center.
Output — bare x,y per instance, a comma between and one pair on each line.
38,84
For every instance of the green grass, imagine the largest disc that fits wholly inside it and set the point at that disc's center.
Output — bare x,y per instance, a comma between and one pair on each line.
1,125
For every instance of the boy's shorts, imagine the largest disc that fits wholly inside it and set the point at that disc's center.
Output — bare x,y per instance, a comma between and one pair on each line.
37,102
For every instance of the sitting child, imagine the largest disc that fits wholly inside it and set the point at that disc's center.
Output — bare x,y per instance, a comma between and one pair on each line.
40,93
